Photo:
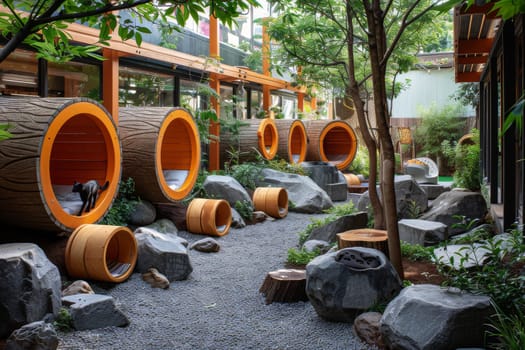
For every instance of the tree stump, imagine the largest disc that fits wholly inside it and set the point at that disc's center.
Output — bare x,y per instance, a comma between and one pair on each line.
285,286
365,237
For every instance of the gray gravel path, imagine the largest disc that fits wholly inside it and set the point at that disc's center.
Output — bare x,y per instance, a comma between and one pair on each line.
219,306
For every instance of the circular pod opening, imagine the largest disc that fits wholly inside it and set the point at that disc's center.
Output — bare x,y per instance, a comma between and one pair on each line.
209,216
101,252
268,138
80,145
178,154
297,141
338,144
271,200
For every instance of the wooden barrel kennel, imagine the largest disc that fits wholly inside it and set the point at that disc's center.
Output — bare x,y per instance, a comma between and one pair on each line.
209,216
161,151
255,136
271,200
101,252
292,140
56,141
333,141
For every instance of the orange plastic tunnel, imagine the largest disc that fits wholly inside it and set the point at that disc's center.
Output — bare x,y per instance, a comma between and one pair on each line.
161,151
55,142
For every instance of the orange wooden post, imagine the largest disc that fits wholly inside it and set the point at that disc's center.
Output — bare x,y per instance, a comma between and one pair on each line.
266,68
110,72
214,150
300,95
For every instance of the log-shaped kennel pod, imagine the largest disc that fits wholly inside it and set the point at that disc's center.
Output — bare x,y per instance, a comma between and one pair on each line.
160,150
332,141
255,136
101,252
55,142
293,141
209,216
271,200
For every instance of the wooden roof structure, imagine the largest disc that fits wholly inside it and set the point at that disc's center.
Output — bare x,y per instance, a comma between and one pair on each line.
475,27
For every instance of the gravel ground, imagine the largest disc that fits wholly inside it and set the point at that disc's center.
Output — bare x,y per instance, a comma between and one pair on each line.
219,306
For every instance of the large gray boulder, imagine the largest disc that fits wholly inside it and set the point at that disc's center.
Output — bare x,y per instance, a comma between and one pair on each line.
227,188
167,253
342,284
305,195
427,316
91,311
328,177
422,232
30,286
37,335
143,213
409,196
344,223
472,205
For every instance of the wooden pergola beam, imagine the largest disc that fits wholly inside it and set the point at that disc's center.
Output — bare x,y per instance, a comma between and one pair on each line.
474,46
468,77
471,60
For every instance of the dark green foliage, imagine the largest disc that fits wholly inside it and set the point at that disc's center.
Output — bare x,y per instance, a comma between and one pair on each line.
123,205
245,209
246,174
508,329
467,162
437,125
63,322
301,256
498,277
415,252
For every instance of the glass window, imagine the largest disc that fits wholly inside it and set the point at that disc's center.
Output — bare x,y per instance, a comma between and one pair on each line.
145,88
227,102
18,74
289,107
74,79
193,95
256,109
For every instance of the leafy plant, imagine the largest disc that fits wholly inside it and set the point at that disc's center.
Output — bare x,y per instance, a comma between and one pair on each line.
437,125
335,213
508,329
415,252
413,209
301,256
360,164
245,209
497,276
467,174
246,174
63,321
123,205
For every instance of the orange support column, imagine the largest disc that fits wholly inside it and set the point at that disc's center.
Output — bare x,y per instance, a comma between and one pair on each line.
214,150
266,68
110,73
300,95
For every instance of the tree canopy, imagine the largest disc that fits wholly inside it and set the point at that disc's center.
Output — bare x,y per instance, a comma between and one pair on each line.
42,24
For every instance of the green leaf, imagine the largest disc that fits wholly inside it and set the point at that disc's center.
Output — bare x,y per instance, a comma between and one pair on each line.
515,116
138,38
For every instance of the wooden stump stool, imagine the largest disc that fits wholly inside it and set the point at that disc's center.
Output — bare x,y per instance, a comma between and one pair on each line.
285,286
365,237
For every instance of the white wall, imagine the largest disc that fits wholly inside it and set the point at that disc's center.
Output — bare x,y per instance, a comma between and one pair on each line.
426,87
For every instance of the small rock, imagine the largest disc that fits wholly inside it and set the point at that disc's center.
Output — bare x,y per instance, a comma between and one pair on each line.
143,214
92,311
206,245
237,220
313,244
156,279
367,328
35,336
78,287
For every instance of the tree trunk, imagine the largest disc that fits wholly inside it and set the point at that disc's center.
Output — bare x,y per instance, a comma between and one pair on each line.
377,48
286,285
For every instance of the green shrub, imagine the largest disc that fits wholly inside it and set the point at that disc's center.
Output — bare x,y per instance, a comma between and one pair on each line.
467,174
360,164
415,252
437,125
301,256
246,174
498,277
335,212
245,209
507,329
123,205
63,322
